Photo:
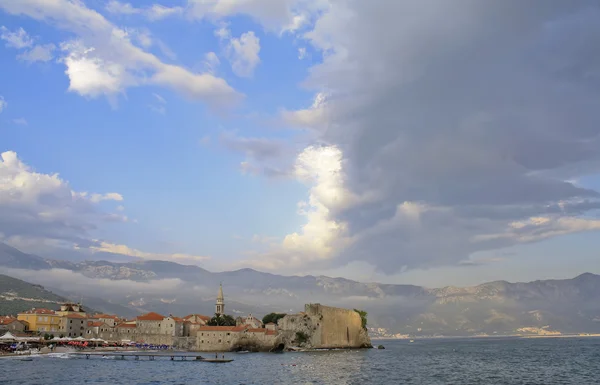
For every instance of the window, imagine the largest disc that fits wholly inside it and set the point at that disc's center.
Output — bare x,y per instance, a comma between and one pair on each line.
228,333
203,334
158,325
219,341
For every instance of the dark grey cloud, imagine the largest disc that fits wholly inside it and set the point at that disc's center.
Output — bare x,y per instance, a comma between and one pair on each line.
482,113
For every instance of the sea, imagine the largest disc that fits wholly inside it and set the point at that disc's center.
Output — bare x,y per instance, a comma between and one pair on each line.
435,361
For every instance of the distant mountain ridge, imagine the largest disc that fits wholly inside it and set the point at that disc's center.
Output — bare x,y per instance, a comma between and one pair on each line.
500,307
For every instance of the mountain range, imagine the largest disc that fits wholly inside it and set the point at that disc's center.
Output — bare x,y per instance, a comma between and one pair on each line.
494,308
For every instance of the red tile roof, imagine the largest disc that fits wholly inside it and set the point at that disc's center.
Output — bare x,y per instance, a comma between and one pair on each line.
271,323
271,332
39,311
79,316
261,330
7,320
222,328
95,324
178,319
151,317
106,316
202,317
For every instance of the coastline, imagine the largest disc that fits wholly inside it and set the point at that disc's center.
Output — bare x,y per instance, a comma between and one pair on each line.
586,335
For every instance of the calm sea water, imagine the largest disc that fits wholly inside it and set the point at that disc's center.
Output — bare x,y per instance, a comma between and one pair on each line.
485,361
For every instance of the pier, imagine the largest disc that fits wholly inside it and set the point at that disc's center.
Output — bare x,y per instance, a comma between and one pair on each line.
152,356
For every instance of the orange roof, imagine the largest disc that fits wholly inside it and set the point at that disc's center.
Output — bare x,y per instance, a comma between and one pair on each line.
202,317
95,324
39,311
222,328
178,319
151,317
7,320
271,323
106,316
271,332
75,316
261,330
126,325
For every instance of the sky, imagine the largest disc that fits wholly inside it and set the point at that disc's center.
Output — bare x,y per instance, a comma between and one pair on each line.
433,143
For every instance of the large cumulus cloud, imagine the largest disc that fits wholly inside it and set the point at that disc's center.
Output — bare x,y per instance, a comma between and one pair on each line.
462,126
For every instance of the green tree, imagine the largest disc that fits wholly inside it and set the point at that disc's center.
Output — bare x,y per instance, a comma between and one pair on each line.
46,336
221,320
363,318
273,317
301,337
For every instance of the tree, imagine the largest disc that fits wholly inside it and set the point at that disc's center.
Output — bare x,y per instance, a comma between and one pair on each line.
221,320
363,318
272,317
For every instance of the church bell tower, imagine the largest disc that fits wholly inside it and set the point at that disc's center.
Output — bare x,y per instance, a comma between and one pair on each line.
220,307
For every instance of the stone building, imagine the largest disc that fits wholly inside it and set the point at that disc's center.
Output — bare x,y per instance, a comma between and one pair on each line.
193,322
110,320
97,329
73,325
249,321
271,326
11,324
172,326
217,338
150,323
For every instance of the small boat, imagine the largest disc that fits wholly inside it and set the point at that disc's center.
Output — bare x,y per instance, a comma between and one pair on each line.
243,352
215,360
26,359
412,341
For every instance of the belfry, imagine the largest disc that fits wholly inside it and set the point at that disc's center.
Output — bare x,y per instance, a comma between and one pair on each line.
220,306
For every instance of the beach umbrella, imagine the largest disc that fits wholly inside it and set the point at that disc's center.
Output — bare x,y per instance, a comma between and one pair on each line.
8,336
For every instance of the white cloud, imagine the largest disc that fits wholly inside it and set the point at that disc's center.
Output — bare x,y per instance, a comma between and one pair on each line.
117,7
3,104
243,53
106,247
43,206
438,158
18,39
275,15
20,121
43,53
153,13
211,62
159,98
91,75
321,236
102,60
158,12
302,53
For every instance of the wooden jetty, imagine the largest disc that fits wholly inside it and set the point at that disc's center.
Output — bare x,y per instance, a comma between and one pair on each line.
152,356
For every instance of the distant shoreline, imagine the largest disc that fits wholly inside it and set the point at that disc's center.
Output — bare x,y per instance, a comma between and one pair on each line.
482,337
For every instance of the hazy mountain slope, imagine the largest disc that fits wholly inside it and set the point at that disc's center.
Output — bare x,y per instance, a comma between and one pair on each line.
570,305
17,296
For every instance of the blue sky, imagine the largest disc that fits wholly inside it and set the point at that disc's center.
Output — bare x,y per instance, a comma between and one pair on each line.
265,134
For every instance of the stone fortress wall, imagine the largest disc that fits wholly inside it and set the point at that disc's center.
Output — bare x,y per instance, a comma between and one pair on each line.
324,327
337,328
